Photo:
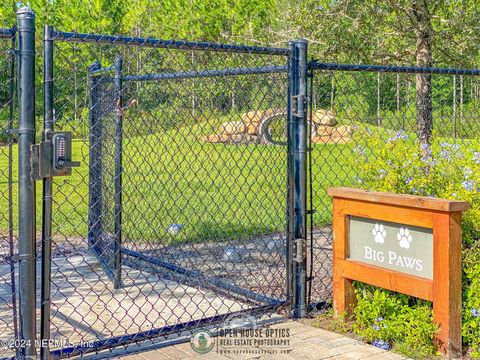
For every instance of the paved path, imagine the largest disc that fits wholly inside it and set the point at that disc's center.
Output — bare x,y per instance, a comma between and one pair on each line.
305,342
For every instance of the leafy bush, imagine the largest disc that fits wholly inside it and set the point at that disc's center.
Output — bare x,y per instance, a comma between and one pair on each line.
3,136
397,321
445,169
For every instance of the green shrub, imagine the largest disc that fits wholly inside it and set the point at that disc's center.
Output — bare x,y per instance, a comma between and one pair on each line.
471,300
446,169
397,321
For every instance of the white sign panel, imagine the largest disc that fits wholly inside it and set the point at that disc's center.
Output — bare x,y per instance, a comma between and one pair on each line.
403,248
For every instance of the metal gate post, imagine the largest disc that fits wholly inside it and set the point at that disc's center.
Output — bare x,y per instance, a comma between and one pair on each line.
95,158
117,253
26,184
47,195
297,144
290,206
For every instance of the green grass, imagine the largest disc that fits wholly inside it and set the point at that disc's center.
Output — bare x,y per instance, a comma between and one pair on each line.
214,190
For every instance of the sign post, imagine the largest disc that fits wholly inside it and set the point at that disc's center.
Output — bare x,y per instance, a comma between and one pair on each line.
408,244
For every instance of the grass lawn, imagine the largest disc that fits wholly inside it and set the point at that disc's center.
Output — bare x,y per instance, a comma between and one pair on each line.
213,190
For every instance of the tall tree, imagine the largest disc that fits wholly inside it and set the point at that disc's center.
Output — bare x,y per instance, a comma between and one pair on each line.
422,32
422,25
7,13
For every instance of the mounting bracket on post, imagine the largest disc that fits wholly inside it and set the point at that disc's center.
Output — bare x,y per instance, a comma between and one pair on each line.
53,158
299,105
300,250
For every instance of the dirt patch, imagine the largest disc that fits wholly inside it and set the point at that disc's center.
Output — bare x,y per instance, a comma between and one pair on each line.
256,263
61,247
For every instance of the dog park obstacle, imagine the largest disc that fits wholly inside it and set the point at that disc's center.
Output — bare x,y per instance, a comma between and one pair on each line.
254,127
325,131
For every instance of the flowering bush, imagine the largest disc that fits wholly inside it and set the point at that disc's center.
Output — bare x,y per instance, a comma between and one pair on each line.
394,321
394,162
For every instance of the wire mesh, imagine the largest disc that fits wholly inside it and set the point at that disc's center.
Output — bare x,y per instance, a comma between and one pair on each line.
101,234
192,141
176,217
8,190
365,133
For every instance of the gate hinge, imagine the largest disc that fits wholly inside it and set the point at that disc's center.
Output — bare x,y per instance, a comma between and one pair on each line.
300,250
299,105
310,212
311,64
53,158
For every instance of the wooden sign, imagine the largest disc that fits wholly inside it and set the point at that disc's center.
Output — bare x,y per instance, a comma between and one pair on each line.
408,244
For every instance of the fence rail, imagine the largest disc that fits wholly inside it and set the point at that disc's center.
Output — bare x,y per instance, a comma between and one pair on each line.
158,43
315,65
7,33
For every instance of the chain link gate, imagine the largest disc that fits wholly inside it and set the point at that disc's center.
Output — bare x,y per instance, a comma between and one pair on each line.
165,191
8,237
176,216
173,188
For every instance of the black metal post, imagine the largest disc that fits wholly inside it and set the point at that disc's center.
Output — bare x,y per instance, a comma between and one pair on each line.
117,283
290,205
297,176
26,185
95,159
11,243
47,195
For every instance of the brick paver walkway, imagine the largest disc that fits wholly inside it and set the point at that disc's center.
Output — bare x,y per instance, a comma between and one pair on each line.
305,342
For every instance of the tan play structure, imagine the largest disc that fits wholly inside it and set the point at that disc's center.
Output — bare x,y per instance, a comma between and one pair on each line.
254,128
325,129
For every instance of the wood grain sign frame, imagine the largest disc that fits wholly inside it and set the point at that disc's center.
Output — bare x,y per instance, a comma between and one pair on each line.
444,290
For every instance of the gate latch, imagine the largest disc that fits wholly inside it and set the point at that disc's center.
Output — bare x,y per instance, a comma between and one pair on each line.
299,105
53,158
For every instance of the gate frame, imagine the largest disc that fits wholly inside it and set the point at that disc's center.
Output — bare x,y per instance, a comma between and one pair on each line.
51,35
47,196
296,174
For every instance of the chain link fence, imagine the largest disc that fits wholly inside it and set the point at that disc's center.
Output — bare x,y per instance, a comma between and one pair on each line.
176,216
364,133
191,203
8,190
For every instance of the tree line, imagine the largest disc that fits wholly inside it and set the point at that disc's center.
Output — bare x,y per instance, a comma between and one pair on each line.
421,32
403,32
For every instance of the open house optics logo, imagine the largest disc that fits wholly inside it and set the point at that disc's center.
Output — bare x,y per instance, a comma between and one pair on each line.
202,341
240,335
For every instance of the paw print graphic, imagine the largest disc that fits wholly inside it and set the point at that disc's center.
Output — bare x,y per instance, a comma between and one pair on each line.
379,233
404,238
